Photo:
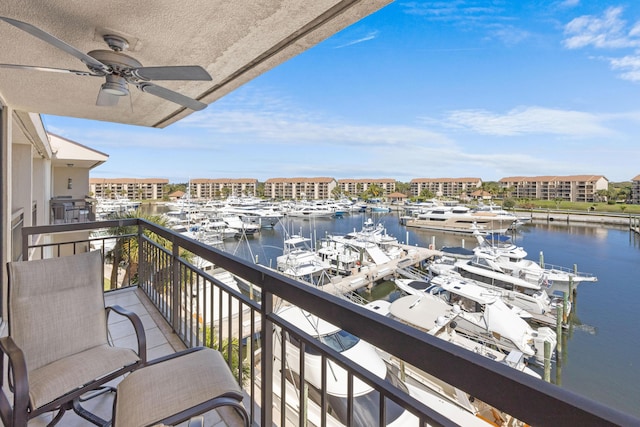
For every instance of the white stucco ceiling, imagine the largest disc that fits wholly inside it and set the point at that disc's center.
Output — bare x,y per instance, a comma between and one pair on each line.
233,40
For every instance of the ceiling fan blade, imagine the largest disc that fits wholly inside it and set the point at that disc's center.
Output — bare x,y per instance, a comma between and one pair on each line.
180,72
105,99
52,40
50,69
172,96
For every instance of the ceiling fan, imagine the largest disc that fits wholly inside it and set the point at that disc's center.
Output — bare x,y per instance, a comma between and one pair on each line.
118,69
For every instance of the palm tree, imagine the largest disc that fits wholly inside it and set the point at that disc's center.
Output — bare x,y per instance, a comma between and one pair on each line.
126,248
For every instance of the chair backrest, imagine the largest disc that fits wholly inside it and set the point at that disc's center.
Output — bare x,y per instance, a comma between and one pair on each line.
56,306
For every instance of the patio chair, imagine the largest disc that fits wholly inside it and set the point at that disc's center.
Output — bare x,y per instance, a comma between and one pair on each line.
58,347
176,388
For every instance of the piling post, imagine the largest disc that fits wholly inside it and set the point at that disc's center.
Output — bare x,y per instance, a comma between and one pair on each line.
547,361
565,305
571,289
433,241
559,332
541,259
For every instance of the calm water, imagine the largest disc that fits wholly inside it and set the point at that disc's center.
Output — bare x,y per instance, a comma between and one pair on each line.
601,357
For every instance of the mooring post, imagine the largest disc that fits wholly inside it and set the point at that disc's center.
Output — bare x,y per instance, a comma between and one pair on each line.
547,361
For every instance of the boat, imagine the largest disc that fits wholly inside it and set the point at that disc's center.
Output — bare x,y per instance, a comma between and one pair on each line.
302,263
458,219
522,275
366,400
537,307
444,326
493,209
243,227
512,257
369,246
480,316
310,211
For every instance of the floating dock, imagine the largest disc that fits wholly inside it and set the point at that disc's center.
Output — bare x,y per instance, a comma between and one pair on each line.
368,275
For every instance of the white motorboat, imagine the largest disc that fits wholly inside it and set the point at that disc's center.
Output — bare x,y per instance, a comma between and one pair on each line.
459,219
538,307
310,211
481,316
497,210
301,262
521,275
443,326
243,227
369,246
366,401
511,257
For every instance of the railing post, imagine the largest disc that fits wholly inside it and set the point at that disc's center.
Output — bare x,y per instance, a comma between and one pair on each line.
141,264
266,414
175,286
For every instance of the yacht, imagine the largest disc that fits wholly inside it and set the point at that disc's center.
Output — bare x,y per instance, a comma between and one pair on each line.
459,219
523,275
538,307
480,316
301,262
369,246
366,401
497,210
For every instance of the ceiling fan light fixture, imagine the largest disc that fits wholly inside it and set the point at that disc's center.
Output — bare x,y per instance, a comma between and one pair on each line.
115,86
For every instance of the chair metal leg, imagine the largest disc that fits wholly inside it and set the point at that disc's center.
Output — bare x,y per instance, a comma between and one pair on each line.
89,416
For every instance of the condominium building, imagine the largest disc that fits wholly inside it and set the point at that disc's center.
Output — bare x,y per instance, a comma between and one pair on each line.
131,188
635,190
445,187
299,188
572,188
357,186
203,188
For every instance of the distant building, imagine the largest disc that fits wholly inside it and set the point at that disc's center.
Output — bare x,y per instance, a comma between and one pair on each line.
178,194
571,188
635,190
131,188
445,187
355,187
299,188
203,188
396,197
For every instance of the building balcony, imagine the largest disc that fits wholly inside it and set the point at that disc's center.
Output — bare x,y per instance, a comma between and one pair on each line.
183,292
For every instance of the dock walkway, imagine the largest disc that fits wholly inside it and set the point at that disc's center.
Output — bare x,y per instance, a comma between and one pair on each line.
367,275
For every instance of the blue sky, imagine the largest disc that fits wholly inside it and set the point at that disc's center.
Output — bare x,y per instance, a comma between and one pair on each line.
420,89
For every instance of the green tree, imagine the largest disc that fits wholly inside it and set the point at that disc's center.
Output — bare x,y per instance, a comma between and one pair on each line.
336,193
126,249
404,188
426,194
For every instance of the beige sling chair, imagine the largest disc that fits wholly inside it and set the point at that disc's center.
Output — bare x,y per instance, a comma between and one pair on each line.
57,347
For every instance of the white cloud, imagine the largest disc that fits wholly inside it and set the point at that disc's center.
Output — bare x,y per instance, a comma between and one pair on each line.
288,126
529,120
607,31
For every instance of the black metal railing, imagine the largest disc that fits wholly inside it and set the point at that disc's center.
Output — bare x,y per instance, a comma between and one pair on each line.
66,210
204,308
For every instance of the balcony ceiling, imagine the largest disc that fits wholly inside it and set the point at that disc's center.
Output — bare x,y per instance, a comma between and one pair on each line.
234,41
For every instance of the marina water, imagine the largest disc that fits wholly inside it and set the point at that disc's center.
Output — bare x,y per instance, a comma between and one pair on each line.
601,352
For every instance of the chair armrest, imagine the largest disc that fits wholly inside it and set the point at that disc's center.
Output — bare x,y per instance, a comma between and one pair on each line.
18,382
137,325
